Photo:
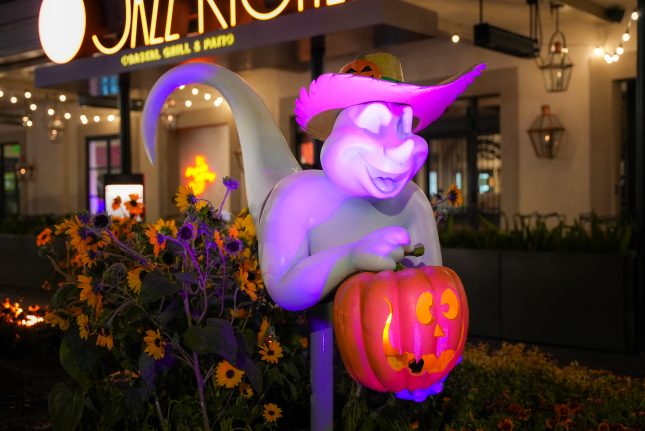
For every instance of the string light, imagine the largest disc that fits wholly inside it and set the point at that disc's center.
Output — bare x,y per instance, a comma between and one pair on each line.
13,99
110,118
195,91
207,96
181,87
188,103
1,93
97,118
620,50
455,38
51,111
62,97
67,115
28,94
84,119
218,102
33,106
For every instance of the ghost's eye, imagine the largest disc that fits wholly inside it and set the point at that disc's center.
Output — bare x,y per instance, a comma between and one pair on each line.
373,116
405,122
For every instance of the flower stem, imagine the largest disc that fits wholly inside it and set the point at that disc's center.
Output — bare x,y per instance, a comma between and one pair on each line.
200,388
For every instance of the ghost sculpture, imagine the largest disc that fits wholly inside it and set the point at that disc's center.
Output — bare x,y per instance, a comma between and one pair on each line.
361,212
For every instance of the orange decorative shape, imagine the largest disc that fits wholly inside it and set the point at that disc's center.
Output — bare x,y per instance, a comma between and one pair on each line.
200,174
391,332
362,67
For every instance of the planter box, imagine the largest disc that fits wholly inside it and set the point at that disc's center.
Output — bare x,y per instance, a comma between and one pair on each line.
20,265
570,299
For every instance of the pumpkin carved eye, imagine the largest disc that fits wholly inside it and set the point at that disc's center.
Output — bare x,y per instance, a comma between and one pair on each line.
449,298
424,308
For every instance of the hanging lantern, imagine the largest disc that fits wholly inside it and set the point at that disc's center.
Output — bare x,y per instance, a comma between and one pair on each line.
556,68
546,134
55,128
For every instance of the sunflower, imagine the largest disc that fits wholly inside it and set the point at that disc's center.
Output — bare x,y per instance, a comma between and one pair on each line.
134,206
157,240
272,412
245,227
83,323
135,277
185,198
454,196
246,391
166,227
271,352
246,285
154,344
227,375
82,236
91,292
116,203
55,320
264,331
44,237
103,340
88,257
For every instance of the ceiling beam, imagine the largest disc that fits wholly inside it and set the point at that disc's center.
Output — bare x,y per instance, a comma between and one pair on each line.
611,14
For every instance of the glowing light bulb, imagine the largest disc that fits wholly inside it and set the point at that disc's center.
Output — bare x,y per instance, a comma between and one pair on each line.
1,93
598,51
111,117
634,16
188,103
207,96
455,38
51,111
67,115
181,87
170,118
33,106
30,123
25,118
195,91
626,37
62,97
84,119
615,58
620,50
609,59
218,102
97,118
27,94
14,99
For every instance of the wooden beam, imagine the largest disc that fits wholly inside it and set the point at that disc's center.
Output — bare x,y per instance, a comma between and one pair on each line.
611,14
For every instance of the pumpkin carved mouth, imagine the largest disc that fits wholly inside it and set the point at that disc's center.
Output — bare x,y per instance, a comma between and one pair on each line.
429,363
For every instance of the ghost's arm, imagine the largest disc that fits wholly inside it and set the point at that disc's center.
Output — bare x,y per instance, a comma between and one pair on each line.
423,228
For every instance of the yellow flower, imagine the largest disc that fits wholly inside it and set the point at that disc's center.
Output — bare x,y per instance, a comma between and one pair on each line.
154,344
81,235
185,197
91,292
135,276
103,340
245,226
454,196
272,412
227,375
88,257
83,323
271,352
166,227
263,333
134,207
44,237
246,391
55,320
246,285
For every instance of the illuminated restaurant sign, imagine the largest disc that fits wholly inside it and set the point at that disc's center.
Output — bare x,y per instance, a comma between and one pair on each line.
65,36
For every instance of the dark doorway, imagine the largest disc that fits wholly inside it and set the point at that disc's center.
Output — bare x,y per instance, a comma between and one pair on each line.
9,186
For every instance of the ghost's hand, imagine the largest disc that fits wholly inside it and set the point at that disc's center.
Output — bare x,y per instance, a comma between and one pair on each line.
381,249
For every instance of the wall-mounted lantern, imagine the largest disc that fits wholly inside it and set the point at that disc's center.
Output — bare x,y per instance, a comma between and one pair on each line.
546,134
24,170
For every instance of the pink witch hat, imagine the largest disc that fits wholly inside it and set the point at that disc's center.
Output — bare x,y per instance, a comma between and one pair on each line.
371,78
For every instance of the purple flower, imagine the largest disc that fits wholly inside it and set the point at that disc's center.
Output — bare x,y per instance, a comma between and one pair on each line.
187,232
233,246
231,183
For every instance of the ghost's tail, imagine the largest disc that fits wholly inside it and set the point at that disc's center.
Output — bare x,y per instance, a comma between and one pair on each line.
266,155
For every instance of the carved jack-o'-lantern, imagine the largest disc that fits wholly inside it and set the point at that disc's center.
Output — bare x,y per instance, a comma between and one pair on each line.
402,331
362,67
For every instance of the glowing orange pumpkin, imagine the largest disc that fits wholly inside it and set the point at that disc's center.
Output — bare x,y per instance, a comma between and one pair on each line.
362,67
402,331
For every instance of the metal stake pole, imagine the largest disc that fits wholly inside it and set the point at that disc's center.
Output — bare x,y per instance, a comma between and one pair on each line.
322,367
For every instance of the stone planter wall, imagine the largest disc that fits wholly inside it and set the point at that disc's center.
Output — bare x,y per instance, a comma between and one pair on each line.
569,299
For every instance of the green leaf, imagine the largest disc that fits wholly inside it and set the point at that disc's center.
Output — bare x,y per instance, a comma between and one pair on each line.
186,277
77,357
216,337
65,407
112,413
156,285
253,372
64,295
274,376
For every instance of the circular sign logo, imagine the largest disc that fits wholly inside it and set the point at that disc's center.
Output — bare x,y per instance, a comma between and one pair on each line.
61,26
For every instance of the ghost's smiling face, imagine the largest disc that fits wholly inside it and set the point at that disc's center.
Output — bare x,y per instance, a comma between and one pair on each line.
371,151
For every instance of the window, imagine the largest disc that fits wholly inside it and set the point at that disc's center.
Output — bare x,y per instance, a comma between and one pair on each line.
9,186
103,157
465,150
